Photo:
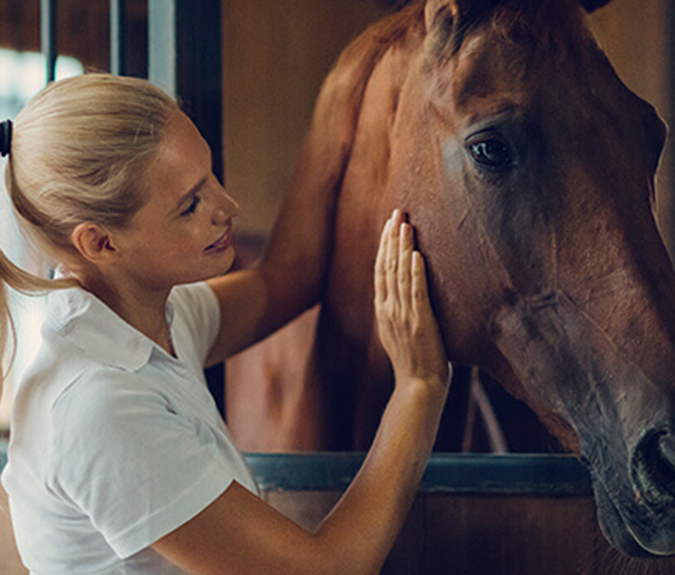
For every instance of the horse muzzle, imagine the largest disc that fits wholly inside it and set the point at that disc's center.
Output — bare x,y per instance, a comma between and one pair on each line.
652,476
636,509
624,420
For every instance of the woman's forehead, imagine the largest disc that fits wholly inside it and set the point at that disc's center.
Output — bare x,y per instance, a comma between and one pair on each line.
183,157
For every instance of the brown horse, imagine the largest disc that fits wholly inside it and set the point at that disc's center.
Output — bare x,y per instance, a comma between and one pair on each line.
527,169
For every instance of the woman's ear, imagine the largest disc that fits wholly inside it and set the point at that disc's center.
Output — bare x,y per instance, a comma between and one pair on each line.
93,242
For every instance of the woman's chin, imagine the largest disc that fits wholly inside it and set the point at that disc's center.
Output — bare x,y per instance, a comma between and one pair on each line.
225,262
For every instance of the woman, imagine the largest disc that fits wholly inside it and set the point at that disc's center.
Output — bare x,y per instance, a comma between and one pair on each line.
118,461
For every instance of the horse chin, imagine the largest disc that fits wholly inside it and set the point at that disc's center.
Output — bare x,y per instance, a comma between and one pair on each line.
618,530
613,526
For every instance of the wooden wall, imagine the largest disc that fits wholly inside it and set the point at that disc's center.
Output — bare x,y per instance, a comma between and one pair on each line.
479,534
636,35
82,31
276,54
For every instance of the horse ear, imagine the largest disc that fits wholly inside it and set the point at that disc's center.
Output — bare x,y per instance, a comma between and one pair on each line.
447,21
432,8
456,9
592,5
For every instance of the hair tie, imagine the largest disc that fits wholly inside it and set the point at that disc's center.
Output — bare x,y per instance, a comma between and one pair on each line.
5,137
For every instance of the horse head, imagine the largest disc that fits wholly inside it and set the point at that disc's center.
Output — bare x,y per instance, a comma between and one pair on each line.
515,143
527,168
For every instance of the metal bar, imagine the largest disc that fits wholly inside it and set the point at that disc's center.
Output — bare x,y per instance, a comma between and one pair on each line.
162,44
459,473
118,37
48,36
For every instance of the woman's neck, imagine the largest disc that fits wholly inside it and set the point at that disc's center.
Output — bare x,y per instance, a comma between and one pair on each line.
145,310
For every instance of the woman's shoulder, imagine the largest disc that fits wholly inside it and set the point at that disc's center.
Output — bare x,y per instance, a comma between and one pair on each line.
196,313
191,301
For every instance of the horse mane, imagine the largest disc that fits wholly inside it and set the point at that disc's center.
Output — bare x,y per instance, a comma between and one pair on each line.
369,47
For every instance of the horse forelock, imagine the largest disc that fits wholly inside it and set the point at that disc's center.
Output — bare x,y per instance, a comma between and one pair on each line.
554,28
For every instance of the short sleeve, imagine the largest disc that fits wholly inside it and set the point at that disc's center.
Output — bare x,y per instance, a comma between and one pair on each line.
197,307
132,464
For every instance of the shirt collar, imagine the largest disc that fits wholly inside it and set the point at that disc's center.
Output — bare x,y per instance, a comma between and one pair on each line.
87,323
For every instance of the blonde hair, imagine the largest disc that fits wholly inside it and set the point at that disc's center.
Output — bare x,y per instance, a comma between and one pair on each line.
23,282
79,150
78,153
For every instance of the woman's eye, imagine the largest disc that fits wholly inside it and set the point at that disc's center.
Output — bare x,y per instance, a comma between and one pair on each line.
491,152
192,207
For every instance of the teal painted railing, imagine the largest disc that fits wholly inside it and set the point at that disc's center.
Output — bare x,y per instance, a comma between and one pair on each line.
548,475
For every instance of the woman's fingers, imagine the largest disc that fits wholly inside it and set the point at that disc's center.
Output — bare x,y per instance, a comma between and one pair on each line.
405,264
420,290
393,249
380,266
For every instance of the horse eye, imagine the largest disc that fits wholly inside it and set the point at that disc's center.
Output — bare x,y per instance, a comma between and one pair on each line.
491,152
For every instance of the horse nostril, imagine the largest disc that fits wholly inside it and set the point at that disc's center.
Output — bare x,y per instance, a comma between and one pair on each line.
653,468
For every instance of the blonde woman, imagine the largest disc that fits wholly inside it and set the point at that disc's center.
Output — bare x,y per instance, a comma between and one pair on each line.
119,461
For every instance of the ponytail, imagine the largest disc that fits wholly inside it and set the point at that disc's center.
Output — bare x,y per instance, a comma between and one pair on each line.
23,282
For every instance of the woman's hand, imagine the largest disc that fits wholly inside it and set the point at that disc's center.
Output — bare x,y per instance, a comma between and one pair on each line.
407,326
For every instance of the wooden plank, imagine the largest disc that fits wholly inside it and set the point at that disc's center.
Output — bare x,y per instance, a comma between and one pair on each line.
509,535
408,557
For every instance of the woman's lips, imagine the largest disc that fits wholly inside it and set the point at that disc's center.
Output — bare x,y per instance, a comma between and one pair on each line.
223,243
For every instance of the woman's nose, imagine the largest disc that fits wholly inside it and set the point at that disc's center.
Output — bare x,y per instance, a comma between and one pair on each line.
227,209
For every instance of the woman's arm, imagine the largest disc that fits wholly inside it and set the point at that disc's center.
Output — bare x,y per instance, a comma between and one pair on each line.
289,280
240,533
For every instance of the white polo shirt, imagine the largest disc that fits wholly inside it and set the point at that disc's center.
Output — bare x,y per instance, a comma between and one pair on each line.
115,443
